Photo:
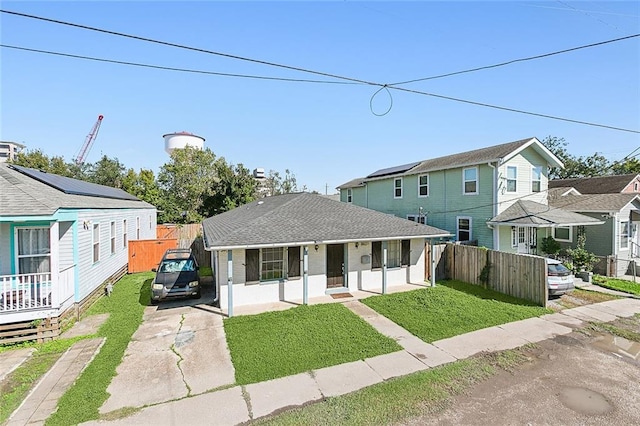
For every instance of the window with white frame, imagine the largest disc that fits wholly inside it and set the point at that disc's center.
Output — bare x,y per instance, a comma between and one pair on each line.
349,195
463,230
536,178
512,178
34,250
124,233
397,188
418,218
96,242
112,237
271,263
423,186
624,234
470,181
398,253
393,254
138,228
563,233
150,223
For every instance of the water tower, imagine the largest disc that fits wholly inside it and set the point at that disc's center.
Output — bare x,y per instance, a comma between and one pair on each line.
180,140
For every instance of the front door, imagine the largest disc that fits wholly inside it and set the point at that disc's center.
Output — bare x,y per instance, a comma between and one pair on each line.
335,265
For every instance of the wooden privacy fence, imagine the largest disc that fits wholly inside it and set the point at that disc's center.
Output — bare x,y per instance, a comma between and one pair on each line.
146,254
188,236
517,275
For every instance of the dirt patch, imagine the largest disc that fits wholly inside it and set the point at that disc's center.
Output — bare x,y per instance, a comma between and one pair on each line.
574,379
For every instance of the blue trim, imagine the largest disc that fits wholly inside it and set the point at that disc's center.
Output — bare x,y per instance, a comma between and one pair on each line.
12,239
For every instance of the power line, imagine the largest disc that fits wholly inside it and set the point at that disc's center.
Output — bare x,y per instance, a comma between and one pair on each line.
513,61
552,117
160,67
194,49
353,80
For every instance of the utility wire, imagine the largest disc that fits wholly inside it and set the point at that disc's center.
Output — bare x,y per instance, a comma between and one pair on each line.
552,117
354,80
160,67
502,64
194,49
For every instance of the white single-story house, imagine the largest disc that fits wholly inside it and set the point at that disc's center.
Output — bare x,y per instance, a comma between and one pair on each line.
295,246
61,239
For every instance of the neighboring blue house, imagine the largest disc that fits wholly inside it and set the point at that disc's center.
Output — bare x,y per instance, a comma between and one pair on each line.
496,196
61,239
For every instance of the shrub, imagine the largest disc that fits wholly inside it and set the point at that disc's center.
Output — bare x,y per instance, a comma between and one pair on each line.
550,246
582,259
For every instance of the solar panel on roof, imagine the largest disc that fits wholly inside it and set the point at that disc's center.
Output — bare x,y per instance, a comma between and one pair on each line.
75,186
393,170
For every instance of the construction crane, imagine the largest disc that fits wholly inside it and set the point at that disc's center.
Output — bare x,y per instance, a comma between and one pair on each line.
88,142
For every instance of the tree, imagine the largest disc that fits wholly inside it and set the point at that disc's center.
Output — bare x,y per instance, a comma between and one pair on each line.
36,159
276,184
574,167
235,186
107,171
143,185
185,182
629,166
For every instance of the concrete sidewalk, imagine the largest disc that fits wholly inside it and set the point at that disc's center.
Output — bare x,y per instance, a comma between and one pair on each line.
43,399
244,403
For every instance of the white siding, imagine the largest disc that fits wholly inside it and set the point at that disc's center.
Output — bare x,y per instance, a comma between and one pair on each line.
92,275
65,245
359,276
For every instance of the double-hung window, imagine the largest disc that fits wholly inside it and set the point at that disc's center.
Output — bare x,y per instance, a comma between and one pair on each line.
96,242
512,178
272,264
418,218
470,181
397,188
349,195
624,234
34,250
423,186
536,177
464,228
398,253
112,237
124,233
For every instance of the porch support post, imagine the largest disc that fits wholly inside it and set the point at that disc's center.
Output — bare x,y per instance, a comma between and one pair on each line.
433,262
230,282
54,267
305,275
384,267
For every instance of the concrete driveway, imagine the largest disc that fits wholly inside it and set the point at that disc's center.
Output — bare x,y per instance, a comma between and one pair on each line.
179,350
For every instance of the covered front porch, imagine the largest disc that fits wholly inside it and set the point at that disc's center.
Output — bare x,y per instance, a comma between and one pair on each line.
522,226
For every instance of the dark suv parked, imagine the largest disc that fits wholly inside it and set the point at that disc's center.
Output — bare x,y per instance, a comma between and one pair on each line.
176,276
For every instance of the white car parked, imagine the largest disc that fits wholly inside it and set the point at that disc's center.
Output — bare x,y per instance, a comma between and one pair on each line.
560,279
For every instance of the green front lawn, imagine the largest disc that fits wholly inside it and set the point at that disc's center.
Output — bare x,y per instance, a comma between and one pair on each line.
451,308
617,284
278,344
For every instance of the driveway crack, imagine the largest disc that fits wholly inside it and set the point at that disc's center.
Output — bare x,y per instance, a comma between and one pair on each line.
180,358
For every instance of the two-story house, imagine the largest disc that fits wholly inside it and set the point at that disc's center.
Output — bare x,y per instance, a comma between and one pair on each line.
496,196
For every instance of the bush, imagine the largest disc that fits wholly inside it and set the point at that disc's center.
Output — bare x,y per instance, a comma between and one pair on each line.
581,258
550,246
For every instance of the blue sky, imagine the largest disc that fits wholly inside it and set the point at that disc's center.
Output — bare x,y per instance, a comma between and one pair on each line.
325,133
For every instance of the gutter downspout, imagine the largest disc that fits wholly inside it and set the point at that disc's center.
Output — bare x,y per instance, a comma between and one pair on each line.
494,196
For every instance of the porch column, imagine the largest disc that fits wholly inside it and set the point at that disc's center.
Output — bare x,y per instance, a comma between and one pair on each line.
384,267
54,267
230,282
305,275
433,262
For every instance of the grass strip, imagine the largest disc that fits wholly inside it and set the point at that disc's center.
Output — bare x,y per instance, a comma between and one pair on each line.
616,331
19,382
589,296
400,399
618,284
125,306
277,344
451,308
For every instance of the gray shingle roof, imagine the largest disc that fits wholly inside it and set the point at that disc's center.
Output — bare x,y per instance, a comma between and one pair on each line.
299,218
593,202
353,183
530,213
595,185
21,195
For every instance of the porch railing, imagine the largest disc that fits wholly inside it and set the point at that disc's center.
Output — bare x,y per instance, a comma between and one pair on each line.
26,291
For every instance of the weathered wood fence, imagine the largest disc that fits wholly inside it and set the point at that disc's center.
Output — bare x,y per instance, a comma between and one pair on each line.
517,275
